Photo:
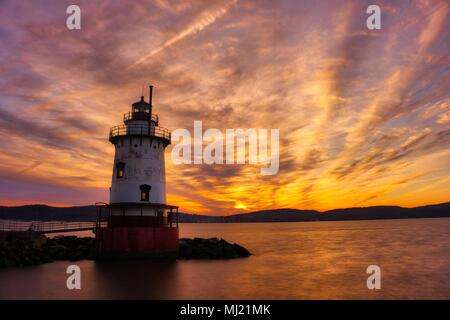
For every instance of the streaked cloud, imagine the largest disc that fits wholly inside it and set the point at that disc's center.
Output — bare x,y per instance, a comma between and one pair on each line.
203,20
363,115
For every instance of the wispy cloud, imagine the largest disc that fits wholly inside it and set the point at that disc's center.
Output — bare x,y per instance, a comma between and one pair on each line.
363,115
203,20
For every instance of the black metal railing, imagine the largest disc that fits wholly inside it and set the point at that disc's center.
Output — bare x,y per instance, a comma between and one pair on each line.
105,217
140,116
46,226
139,130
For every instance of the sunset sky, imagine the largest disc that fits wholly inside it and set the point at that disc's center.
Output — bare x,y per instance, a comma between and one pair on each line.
364,115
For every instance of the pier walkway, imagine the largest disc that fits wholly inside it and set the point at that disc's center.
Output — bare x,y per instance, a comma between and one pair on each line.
46,226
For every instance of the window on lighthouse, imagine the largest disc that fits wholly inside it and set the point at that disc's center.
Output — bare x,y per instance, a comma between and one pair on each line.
120,169
145,192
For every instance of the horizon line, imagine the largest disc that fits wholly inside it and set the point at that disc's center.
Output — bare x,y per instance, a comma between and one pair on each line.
237,213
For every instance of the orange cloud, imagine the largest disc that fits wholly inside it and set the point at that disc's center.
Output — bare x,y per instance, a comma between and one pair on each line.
363,115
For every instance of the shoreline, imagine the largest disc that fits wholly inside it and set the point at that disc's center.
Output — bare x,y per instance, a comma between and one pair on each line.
88,213
25,248
230,222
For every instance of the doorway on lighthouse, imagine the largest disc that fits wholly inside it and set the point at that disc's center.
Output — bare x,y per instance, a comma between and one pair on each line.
145,192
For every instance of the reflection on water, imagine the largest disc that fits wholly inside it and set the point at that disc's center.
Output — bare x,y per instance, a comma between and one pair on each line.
310,260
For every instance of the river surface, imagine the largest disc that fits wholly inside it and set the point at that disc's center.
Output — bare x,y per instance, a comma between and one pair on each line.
305,260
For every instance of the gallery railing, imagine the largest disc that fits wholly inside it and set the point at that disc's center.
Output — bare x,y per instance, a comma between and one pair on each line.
105,218
140,116
139,130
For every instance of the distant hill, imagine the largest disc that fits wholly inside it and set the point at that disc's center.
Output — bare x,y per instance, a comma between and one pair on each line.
88,213
44,212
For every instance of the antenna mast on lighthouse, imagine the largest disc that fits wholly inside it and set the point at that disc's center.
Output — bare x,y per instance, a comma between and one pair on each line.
150,98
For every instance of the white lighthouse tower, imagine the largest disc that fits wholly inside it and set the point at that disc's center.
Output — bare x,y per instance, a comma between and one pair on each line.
139,220
139,172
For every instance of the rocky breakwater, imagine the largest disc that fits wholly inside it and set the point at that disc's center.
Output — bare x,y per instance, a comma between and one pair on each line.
24,248
212,248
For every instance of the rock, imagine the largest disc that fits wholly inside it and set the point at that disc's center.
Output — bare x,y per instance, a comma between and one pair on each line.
241,251
184,249
211,248
91,253
39,241
57,251
2,262
45,257
12,260
69,241
31,248
76,254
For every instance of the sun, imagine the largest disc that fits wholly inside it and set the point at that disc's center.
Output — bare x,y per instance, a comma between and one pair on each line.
240,205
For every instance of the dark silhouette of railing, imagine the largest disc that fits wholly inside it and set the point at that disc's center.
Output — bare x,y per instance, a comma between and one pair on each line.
139,130
46,226
105,218
139,116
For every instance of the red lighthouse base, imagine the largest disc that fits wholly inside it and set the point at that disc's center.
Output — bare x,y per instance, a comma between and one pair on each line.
138,236
139,241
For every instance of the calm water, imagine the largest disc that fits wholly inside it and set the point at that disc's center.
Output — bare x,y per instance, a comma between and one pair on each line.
310,260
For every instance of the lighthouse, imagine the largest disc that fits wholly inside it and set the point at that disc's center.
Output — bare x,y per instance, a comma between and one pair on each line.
138,221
